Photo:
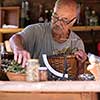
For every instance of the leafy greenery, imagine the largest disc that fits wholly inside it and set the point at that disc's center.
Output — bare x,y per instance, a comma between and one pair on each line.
65,51
15,67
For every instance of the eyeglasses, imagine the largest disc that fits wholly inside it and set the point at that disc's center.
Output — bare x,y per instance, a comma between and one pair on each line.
64,20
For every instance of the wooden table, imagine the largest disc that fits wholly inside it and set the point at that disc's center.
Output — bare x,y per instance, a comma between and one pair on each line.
51,90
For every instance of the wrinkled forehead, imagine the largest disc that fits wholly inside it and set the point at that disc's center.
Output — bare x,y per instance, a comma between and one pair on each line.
68,11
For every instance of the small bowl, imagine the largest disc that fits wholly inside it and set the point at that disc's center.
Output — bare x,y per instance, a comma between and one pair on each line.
16,76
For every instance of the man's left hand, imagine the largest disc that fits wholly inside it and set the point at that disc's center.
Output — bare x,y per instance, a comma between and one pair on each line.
81,56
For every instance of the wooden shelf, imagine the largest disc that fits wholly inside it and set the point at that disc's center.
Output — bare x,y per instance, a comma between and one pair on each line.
10,30
86,28
9,15
75,28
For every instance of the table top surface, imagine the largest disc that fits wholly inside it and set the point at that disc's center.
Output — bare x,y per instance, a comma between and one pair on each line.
50,86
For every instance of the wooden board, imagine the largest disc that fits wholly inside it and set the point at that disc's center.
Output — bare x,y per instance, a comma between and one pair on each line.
47,96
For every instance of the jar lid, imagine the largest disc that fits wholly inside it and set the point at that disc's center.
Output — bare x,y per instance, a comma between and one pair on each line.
33,60
42,68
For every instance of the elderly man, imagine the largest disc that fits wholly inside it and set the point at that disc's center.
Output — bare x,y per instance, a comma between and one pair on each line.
40,38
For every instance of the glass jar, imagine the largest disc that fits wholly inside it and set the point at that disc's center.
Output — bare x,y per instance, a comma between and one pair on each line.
43,75
32,72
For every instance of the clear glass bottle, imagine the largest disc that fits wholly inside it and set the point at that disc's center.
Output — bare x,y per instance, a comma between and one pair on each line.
24,13
41,14
78,22
1,53
46,15
87,15
27,12
32,70
0,60
22,19
93,19
4,54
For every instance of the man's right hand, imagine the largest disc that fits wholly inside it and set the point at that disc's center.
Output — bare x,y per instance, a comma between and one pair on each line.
21,56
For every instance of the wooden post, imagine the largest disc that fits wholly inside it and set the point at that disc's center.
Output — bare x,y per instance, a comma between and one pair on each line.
0,37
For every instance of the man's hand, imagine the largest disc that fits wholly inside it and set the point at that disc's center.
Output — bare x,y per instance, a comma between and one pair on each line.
81,56
21,56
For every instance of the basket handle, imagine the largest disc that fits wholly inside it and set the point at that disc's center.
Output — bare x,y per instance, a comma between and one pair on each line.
65,68
56,73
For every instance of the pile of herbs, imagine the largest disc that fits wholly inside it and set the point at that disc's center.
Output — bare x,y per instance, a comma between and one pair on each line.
12,66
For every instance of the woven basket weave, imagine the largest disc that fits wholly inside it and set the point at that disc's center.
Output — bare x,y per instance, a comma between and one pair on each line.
58,63
16,76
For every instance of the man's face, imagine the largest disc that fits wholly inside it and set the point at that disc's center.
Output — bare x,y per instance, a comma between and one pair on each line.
63,19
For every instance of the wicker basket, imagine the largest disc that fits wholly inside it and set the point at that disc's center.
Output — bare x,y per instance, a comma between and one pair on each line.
16,76
58,63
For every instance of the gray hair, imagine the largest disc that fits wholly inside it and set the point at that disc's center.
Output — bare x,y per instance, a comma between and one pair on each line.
69,3
66,3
